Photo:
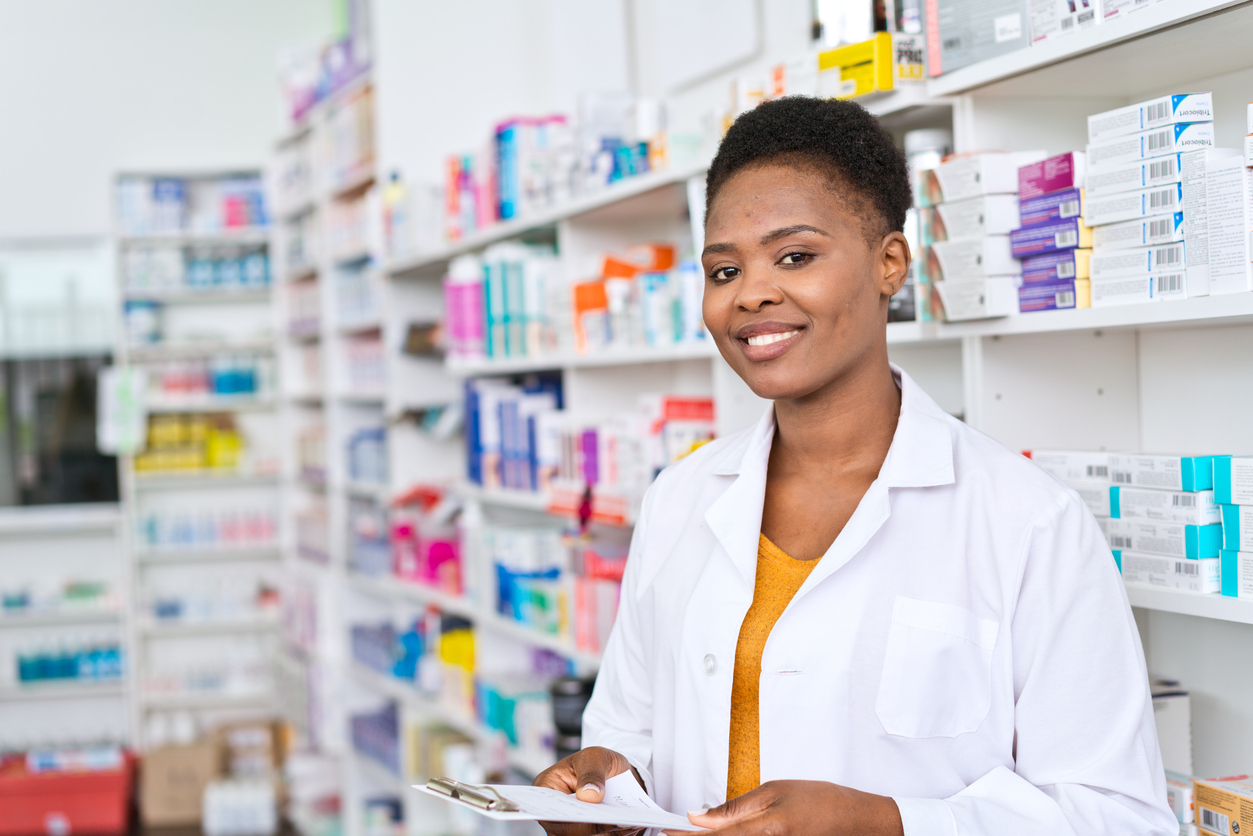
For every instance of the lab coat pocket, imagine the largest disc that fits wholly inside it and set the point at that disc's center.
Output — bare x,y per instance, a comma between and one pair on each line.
937,670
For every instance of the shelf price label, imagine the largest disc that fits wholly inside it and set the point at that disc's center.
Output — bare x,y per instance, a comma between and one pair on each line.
121,410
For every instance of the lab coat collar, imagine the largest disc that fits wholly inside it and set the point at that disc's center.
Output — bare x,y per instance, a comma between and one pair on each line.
921,454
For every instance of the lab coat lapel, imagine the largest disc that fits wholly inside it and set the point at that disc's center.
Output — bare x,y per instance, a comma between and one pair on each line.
735,517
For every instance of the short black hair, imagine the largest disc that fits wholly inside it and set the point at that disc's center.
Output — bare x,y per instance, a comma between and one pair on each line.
837,138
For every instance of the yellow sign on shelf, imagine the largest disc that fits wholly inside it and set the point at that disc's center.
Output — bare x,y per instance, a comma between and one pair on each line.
872,66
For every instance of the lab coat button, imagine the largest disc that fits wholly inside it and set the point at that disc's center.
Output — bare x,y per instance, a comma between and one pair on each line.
711,664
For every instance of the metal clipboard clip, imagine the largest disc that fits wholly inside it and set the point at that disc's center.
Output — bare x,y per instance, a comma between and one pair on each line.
477,796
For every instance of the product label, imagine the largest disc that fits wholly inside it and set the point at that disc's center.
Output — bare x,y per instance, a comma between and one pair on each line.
1162,229
1008,27
1228,226
1202,576
1242,481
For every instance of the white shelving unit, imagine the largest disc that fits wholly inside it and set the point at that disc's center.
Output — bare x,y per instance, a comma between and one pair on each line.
1167,376
199,325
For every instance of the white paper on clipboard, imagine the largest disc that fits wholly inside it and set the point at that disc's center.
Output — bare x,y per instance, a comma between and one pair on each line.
625,805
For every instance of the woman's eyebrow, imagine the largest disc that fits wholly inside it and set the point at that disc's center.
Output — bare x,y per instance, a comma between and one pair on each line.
718,248
784,232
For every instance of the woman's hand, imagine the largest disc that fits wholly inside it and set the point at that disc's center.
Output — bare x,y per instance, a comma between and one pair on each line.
584,773
802,808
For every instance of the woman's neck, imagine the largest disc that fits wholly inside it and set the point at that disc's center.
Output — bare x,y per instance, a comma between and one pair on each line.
846,427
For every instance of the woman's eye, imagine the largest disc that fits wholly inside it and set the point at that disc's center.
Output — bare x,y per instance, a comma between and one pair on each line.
796,258
724,274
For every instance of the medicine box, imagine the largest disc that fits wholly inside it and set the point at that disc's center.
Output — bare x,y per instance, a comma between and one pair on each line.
1054,174
1143,232
964,32
1129,206
1221,805
1179,792
1203,576
1113,264
1228,183
1233,480
978,298
1117,9
1237,573
1171,139
976,217
972,258
1237,527
1061,264
1057,295
1133,290
857,69
1060,235
1155,113
1172,473
1135,176
1191,542
1073,465
1055,206
1188,507
1051,19
994,172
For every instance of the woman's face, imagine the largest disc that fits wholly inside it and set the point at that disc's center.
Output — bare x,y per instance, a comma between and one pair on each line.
796,294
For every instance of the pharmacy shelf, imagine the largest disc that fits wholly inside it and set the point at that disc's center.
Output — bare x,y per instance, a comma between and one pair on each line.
1233,309
242,235
301,207
52,618
356,182
615,193
529,763
223,403
179,629
177,351
364,398
350,258
159,702
58,520
393,588
1218,607
361,326
1161,42
200,479
502,498
200,297
222,555
61,690
300,274
703,349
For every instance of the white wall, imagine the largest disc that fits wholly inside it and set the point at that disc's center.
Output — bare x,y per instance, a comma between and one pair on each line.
88,88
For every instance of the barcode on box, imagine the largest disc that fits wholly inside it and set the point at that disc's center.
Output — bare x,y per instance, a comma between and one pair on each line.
1098,471
1158,111
1185,568
1117,541
1170,283
1162,199
1069,209
1168,256
1162,168
1181,500
1064,299
1066,270
1067,22
1159,140
1215,822
1121,477
1069,238
1160,227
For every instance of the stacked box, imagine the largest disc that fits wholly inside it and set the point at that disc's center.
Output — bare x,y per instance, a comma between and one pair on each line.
1053,240
1146,184
967,257
1233,491
1085,472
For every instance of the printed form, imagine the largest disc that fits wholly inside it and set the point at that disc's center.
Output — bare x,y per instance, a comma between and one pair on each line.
625,805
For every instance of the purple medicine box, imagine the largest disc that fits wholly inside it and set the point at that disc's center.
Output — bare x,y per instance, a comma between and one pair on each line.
1059,235
1065,171
1054,206
1047,296
1060,264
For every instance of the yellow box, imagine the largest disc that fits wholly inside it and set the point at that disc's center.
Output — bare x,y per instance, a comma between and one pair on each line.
1224,807
857,69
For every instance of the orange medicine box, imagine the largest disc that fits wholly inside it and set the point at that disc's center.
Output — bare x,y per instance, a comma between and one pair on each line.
1224,806
89,802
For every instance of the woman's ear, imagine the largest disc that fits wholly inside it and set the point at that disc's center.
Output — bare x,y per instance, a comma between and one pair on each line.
894,258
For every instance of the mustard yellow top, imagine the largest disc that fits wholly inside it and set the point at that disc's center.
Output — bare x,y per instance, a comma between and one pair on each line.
779,575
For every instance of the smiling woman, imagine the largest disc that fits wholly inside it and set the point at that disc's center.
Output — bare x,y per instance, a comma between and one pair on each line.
860,616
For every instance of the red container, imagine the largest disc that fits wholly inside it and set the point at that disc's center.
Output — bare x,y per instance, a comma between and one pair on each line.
65,803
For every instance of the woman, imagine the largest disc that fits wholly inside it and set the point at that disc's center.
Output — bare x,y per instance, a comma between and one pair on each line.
895,623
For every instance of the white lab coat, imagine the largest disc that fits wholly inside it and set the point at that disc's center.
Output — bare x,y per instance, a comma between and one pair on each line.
964,646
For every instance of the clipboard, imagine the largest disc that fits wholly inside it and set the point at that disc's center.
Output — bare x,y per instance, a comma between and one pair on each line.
625,804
